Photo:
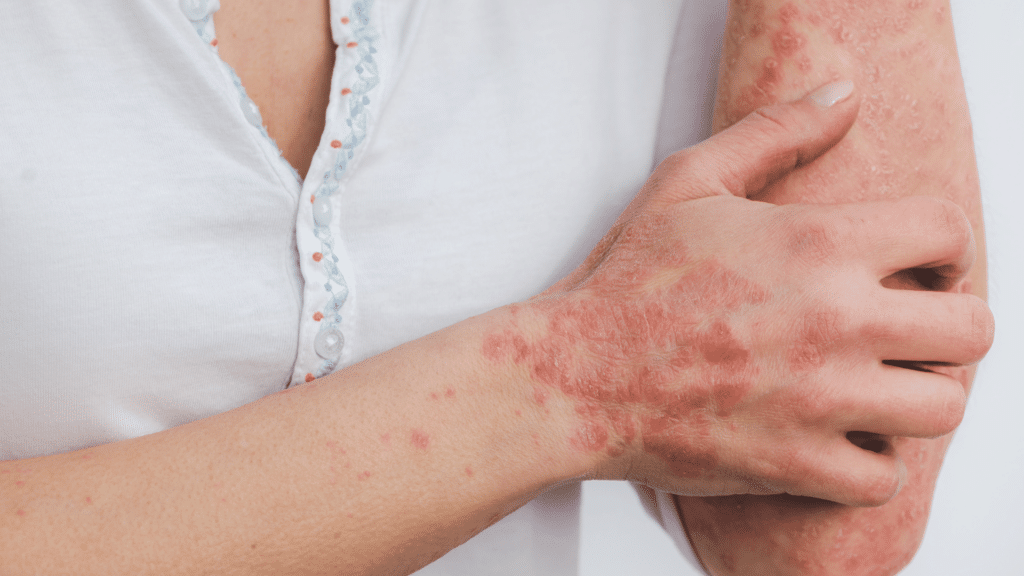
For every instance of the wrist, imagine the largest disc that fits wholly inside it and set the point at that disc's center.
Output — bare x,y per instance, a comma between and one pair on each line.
539,351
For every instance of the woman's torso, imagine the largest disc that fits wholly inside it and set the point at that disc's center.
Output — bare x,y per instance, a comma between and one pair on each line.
162,263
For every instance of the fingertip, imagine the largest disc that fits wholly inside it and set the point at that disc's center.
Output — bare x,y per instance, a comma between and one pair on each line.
772,141
835,106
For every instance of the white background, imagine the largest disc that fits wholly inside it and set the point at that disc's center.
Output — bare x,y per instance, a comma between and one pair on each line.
977,521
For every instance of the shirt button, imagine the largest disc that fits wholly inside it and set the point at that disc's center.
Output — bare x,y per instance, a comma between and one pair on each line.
195,10
328,344
251,111
322,211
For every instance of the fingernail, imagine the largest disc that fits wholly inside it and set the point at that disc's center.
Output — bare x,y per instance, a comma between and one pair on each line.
830,94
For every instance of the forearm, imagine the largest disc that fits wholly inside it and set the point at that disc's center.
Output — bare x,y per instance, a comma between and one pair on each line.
377,469
912,137
913,132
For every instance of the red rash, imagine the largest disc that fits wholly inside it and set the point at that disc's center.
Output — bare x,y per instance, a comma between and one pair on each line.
420,439
812,536
787,42
448,393
653,365
778,55
912,133
590,436
819,333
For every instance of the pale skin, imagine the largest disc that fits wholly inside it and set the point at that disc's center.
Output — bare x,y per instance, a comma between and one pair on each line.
675,373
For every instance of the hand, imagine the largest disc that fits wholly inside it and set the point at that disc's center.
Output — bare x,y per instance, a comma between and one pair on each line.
715,345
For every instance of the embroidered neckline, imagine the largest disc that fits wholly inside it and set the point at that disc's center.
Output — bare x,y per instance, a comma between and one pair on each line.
206,31
362,41
330,340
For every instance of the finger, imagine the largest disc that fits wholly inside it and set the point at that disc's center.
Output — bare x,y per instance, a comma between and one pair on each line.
763,146
893,401
844,473
918,232
922,326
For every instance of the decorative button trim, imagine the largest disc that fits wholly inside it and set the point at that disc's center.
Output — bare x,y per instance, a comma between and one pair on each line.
250,110
195,10
330,341
322,211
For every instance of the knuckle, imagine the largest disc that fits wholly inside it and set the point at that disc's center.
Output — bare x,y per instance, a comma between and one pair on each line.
884,320
814,237
694,173
774,117
681,161
819,332
837,322
946,216
815,406
791,466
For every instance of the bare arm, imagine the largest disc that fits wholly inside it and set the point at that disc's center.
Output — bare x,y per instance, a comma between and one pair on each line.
374,470
912,137
656,361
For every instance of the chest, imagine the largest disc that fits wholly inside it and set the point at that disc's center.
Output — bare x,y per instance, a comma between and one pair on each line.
284,54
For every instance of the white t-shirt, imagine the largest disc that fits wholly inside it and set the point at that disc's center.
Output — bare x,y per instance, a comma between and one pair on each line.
162,263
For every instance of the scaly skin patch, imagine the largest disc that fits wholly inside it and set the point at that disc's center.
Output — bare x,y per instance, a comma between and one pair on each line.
814,537
912,136
642,356
908,135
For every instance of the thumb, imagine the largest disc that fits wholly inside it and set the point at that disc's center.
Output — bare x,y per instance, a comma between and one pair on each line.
764,146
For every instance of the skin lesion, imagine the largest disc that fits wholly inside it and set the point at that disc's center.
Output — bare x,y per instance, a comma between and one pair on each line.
912,136
907,126
799,535
645,365
816,337
780,36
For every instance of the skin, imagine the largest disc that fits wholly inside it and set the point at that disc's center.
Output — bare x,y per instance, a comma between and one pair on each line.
271,60
702,349
912,136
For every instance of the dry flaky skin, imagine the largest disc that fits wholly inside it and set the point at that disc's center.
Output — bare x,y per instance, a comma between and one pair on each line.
912,137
